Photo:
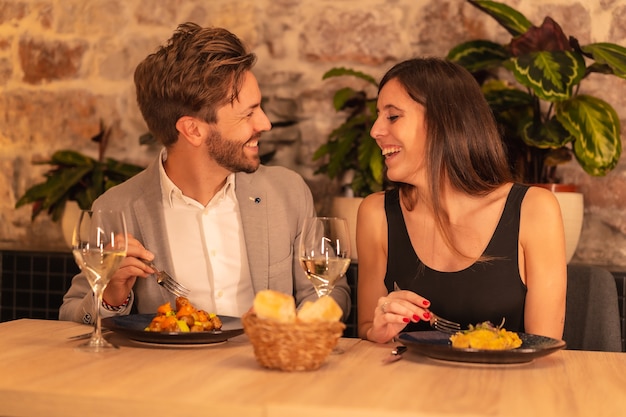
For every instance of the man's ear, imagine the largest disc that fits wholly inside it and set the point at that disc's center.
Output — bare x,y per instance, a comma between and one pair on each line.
192,130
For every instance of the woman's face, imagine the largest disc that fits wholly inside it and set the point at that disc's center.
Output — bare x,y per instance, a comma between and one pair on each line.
400,132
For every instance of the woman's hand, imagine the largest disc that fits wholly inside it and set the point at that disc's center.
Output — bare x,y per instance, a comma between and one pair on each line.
394,311
132,267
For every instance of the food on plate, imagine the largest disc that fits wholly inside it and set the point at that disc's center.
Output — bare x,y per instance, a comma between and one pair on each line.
486,336
185,318
274,305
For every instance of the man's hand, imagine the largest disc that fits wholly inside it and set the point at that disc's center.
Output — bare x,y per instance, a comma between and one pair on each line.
124,278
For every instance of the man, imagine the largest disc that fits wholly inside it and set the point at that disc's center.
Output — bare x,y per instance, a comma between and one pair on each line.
205,211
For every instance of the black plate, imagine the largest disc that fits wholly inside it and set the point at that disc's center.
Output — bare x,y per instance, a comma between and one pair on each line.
133,325
437,345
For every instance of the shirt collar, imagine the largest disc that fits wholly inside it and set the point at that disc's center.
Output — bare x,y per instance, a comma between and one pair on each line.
171,192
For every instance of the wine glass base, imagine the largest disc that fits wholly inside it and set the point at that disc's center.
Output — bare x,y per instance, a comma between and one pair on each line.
96,345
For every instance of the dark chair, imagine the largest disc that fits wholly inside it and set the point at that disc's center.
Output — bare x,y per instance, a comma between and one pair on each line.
592,320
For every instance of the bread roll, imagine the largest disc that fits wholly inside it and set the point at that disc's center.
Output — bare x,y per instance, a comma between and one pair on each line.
274,305
323,309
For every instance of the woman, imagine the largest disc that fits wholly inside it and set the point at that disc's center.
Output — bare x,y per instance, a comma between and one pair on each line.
455,235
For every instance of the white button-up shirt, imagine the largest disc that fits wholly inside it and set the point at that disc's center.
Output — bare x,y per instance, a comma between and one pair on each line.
208,248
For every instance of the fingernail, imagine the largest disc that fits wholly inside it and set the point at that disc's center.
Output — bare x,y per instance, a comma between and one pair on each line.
426,302
427,315
416,317
405,319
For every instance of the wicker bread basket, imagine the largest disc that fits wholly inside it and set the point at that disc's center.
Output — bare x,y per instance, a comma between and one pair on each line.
291,346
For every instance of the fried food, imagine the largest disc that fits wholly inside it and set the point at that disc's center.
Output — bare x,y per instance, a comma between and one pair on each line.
486,336
185,318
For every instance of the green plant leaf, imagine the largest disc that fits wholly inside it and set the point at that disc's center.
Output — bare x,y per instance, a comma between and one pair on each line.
501,96
344,96
338,152
596,129
478,55
349,147
377,168
550,66
71,158
54,191
512,20
341,71
550,75
120,171
370,157
609,54
320,152
549,135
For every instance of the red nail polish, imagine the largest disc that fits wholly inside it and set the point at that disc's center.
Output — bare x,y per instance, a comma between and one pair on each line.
416,317
426,302
426,315
405,319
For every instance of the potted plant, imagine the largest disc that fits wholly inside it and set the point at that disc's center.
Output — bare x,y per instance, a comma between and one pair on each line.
532,84
77,178
350,154
544,118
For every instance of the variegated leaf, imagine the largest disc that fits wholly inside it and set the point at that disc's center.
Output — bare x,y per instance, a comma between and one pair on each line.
502,97
551,75
512,20
549,135
596,130
341,71
614,56
478,55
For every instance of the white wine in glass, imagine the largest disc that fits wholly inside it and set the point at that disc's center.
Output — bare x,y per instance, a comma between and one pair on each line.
324,251
99,246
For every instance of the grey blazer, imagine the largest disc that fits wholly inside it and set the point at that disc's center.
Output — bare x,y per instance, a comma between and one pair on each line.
273,201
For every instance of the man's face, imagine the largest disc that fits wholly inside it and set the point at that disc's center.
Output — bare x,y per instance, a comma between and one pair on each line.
234,142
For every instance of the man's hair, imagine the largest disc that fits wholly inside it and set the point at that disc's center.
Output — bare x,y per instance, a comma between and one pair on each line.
195,73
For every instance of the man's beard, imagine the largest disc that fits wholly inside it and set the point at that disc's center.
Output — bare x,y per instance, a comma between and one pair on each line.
231,155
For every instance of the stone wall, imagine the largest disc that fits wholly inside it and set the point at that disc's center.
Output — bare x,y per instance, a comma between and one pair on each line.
65,65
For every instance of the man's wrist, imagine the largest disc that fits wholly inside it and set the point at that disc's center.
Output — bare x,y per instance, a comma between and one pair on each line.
119,307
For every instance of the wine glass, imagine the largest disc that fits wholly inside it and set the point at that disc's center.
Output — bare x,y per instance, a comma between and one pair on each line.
324,251
99,246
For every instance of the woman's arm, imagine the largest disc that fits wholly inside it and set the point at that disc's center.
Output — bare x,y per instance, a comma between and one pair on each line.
371,242
376,323
543,263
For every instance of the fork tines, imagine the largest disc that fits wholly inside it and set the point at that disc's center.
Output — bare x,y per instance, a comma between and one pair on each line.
446,326
172,286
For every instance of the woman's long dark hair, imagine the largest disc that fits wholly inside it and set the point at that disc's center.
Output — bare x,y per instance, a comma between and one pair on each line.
463,145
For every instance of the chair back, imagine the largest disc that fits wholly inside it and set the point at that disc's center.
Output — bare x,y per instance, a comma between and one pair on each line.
592,320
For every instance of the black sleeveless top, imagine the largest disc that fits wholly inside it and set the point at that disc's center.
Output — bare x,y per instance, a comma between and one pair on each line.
485,291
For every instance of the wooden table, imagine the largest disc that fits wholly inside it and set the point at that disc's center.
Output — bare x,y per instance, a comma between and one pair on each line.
41,374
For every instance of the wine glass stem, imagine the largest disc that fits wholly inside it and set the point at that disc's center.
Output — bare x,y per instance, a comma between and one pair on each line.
98,293
322,291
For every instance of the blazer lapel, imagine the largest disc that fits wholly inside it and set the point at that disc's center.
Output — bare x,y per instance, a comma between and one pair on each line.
253,210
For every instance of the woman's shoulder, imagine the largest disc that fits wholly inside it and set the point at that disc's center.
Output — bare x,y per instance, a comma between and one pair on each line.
374,200
539,199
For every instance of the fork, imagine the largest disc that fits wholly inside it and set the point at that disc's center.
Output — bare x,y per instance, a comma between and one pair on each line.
166,281
443,325
438,323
